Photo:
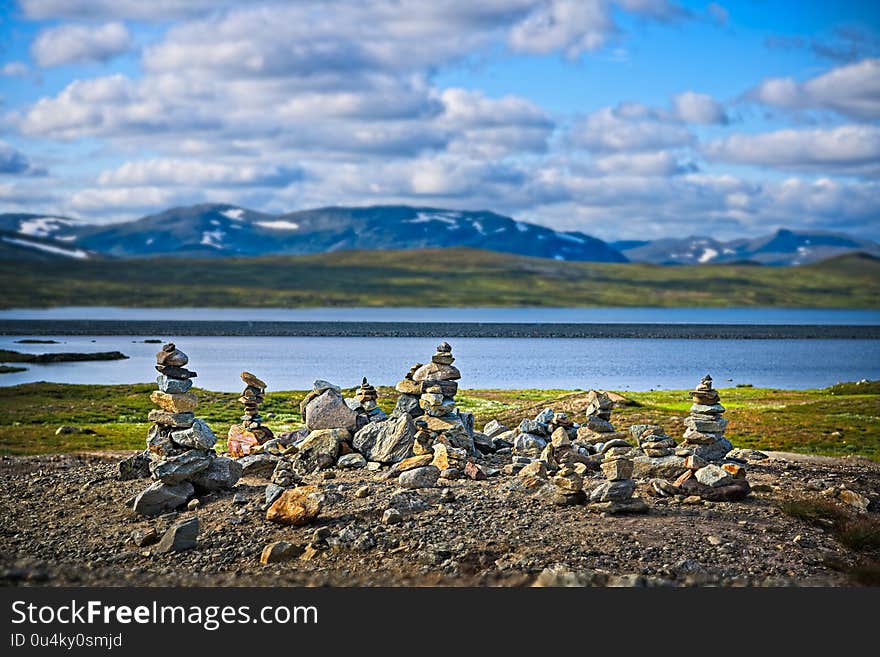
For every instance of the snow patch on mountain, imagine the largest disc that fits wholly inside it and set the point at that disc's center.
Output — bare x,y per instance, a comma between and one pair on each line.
79,254
41,226
213,238
280,224
234,213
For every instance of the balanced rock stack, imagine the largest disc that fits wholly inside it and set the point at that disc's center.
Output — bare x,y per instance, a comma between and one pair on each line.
365,403
182,458
616,494
436,384
704,436
244,437
598,427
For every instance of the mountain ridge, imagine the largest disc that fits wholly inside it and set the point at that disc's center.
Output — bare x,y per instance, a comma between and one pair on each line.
211,230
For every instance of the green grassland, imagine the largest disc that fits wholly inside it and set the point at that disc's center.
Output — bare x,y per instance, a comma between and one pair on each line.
432,277
838,421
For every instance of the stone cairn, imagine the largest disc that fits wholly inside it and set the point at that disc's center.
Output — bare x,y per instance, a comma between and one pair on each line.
616,494
244,437
182,461
704,435
598,428
365,403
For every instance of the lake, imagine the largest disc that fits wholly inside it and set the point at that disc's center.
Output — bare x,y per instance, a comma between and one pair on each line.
489,315
292,363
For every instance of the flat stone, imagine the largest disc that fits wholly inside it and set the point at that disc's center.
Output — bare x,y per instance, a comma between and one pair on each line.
436,372
252,380
665,467
181,536
173,386
174,372
158,498
414,462
136,466
171,356
181,402
183,420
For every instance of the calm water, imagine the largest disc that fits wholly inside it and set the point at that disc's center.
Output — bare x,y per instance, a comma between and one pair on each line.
518,315
287,363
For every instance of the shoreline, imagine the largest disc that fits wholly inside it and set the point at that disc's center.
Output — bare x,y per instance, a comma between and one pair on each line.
437,329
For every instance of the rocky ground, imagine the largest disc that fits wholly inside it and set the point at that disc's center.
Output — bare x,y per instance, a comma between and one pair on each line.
64,522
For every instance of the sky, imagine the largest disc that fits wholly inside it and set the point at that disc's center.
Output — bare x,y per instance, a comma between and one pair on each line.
624,119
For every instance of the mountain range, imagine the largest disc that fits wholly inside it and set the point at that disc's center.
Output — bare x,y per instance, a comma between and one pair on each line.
222,230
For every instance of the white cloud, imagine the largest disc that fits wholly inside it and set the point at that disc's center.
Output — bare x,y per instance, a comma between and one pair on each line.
659,163
843,149
692,107
570,26
193,173
14,69
14,162
73,44
852,90
102,9
127,198
628,127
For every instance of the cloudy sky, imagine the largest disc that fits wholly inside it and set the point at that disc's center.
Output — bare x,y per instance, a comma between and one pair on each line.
621,118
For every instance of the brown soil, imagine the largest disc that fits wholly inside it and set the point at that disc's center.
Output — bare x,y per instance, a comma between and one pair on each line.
64,522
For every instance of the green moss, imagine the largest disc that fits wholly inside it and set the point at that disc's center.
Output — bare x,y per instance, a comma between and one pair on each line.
807,421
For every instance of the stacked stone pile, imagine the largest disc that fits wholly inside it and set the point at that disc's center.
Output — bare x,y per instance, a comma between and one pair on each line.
597,427
242,438
616,494
182,461
551,437
365,403
704,435
653,441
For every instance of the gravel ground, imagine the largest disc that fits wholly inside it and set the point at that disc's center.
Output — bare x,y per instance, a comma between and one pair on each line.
64,522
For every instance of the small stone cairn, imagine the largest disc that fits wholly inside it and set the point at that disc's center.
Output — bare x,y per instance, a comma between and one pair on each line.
242,438
182,461
365,403
704,436
616,494
598,428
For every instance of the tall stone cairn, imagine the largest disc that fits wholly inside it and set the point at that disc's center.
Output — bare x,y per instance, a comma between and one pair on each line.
180,446
251,432
704,435
428,394
366,404
598,428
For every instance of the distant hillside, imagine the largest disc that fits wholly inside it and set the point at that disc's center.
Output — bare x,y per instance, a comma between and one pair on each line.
431,277
784,247
224,230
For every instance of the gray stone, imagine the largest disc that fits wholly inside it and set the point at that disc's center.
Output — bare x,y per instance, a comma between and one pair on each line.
665,467
144,537
257,465
320,385
273,492
408,404
173,386
136,466
493,428
181,536
351,461
746,455
535,427
710,409
221,474
527,443
198,436
158,498
715,451
329,411
713,476
391,516
424,477
705,426
175,469
390,441
613,491
171,419
436,372
598,425
617,442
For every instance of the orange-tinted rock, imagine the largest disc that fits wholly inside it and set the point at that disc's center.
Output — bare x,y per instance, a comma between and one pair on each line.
240,441
296,506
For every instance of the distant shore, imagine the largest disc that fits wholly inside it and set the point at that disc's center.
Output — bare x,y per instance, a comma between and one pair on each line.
434,329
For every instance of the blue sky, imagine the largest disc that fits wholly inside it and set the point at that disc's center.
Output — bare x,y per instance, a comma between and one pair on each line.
620,118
